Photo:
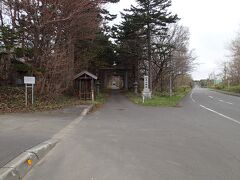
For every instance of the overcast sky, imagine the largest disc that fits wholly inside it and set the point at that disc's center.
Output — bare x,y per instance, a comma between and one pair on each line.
212,24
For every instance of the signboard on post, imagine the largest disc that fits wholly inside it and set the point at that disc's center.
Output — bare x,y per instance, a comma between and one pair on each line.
29,82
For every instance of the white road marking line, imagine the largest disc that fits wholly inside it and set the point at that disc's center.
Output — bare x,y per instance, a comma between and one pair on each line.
226,102
192,97
210,97
220,114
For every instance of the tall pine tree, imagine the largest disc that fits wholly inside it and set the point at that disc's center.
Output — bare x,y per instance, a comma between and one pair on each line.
151,17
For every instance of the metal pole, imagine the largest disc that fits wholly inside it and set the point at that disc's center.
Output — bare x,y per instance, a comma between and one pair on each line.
32,93
26,99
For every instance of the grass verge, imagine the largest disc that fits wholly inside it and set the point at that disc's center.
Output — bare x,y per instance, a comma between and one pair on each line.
159,100
101,99
232,89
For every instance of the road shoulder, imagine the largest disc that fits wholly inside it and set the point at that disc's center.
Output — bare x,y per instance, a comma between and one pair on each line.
21,165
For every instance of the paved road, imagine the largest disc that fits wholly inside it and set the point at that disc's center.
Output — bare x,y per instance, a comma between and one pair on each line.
221,103
19,132
123,141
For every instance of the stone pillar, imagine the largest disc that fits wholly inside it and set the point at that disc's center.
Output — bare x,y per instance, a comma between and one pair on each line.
135,85
146,91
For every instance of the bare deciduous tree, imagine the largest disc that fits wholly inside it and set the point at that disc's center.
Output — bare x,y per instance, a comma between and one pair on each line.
49,30
172,57
231,69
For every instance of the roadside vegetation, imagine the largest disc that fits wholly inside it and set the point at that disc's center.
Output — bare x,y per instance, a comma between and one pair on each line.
161,99
101,99
12,99
232,89
229,78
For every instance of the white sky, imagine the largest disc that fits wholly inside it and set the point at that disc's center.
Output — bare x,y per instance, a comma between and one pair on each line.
212,24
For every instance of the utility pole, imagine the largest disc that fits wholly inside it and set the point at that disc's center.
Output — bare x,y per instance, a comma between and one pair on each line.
149,53
149,60
170,78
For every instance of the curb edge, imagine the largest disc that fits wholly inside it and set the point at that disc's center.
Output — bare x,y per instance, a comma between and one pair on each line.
19,167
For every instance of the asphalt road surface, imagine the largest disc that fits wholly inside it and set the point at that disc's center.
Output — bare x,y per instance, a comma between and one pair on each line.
123,141
19,132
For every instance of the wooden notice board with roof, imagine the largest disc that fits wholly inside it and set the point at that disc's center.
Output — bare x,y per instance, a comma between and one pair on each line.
85,85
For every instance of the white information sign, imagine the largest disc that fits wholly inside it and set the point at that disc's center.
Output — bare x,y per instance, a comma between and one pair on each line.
29,80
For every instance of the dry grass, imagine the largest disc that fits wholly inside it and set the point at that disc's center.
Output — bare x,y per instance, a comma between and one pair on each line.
12,99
